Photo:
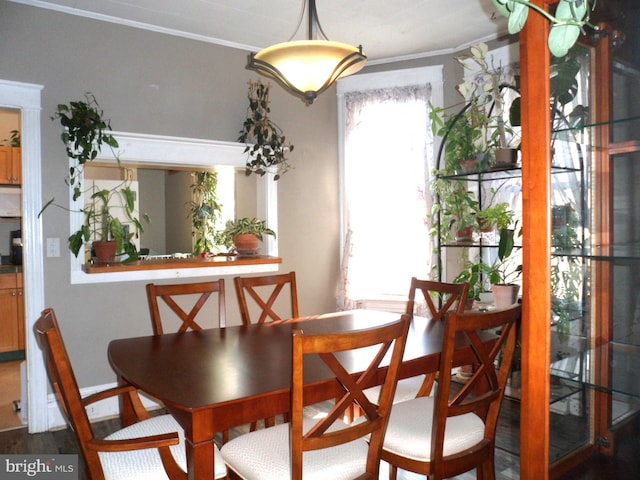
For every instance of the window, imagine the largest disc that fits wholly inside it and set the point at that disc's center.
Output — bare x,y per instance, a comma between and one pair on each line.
386,158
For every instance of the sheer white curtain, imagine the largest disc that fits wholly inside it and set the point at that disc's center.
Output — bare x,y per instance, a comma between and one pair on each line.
388,156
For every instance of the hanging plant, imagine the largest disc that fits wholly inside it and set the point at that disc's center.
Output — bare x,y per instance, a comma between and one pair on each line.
267,147
567,23
84,131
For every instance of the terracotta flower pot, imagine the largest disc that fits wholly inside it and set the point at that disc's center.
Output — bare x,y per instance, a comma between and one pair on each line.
105,251
246,244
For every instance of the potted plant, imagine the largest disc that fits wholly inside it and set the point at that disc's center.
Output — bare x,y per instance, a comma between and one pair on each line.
267,147
85,132
246,234
463,138
110,236
494,90
454,209
205,211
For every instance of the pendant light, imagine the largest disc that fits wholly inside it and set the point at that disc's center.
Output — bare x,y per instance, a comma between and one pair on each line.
307,68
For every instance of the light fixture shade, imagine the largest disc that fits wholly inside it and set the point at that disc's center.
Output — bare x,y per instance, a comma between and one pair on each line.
308,67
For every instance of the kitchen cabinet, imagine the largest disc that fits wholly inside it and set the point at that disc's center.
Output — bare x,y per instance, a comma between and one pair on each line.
10,166
12,334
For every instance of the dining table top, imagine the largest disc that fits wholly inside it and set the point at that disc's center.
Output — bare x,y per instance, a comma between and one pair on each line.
196,369
215,379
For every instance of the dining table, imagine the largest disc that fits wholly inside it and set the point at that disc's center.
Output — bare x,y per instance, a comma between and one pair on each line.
214,379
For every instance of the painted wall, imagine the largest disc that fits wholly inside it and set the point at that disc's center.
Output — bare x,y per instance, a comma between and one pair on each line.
159,84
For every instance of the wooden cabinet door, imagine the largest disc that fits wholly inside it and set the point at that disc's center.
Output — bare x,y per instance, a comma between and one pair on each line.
9,336
16,165
6,165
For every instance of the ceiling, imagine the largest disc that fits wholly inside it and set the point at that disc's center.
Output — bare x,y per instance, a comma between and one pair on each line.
385,29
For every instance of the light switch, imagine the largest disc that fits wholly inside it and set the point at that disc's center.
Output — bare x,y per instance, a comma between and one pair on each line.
53,247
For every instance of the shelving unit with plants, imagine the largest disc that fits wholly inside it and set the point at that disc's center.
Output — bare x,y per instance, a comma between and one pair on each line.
494,190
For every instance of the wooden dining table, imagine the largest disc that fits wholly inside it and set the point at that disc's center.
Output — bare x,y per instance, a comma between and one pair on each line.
215,379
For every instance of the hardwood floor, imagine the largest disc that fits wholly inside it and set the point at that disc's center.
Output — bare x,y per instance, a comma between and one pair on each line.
625,465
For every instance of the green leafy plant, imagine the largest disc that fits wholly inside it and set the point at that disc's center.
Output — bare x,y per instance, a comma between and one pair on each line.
567,23
496,93
267,146
14,140
85,132
499,216
205,211
463,135
100,224
454,208
502,271
243,226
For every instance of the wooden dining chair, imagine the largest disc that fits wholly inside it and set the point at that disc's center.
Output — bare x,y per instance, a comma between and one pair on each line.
264,291
169,294
439,297
454,431
151,448
332,449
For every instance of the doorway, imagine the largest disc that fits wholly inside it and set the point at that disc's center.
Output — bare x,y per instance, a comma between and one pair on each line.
12,350
26,98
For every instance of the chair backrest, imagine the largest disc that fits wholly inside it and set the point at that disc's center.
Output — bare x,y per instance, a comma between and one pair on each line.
483,392
374,421
65,385
264,291
168,294
440,297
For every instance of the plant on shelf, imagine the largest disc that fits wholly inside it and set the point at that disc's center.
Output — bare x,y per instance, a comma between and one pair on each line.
267,146
567,272
495,91
108,233
567,23
205,211
498,216
504,271
463,135
246,234
495,215
84,134
454,209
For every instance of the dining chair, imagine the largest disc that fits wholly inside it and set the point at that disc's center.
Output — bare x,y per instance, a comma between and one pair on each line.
439,297
264,291
332,449
153,447
452,432
169,294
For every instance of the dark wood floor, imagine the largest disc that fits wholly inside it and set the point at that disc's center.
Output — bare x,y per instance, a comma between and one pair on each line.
625,465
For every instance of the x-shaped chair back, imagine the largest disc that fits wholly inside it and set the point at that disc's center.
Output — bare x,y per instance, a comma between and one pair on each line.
440,297
168,294
326,346
483,393
264,291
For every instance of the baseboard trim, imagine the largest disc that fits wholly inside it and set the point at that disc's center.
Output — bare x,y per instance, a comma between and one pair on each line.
103,410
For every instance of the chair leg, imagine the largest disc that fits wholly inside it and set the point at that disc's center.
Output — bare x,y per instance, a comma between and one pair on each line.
393,472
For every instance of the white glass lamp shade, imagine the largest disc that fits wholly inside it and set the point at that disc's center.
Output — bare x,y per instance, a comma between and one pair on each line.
308,67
